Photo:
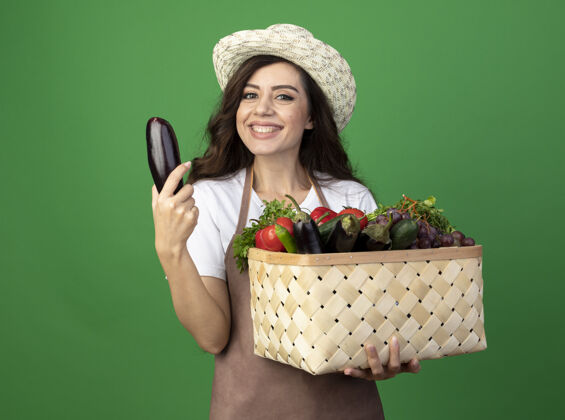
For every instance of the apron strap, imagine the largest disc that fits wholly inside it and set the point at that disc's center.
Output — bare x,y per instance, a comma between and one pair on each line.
245,198
318,191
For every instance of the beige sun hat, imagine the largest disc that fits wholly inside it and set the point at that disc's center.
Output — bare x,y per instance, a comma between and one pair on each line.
322,62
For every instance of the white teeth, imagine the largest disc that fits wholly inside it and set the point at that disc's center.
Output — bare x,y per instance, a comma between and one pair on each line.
263,129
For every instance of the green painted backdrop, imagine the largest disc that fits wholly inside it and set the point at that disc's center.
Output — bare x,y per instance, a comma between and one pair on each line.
459,99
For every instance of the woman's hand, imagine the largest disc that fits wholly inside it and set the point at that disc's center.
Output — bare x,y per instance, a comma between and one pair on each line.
377,371
174,215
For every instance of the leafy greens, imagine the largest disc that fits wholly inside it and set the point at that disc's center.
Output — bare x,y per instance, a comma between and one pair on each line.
418,210
242,242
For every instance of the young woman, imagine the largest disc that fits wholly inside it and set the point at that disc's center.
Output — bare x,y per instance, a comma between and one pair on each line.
286,97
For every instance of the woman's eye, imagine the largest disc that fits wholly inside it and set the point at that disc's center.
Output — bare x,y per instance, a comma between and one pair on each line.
249,95
285,97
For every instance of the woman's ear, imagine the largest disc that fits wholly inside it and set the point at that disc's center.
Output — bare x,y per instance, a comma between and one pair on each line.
309,124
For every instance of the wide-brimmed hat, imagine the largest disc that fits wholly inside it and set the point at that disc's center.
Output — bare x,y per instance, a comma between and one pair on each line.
322,62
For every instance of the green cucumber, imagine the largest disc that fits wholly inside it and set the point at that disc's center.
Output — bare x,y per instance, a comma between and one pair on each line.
403,234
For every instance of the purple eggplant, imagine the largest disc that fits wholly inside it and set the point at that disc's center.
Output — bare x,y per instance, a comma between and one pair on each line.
162,151
343,236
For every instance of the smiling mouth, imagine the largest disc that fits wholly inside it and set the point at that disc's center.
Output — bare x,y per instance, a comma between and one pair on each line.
264,128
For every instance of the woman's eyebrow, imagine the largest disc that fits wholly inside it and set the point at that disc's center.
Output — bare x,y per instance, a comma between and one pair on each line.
274,87
284,87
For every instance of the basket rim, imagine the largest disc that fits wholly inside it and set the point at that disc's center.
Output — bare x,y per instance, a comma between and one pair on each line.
432,254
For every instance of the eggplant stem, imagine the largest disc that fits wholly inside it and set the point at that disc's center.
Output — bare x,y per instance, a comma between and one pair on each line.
293,202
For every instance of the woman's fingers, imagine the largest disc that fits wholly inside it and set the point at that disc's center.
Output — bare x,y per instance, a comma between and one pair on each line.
188,204
182,199
357,373
174,178
175,215
394,356
192,215
413,366
154,196
184,193
377,371
374,361
185,208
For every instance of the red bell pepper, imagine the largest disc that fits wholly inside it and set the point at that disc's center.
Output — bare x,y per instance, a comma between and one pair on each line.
259,242
285,222
267,239
318,215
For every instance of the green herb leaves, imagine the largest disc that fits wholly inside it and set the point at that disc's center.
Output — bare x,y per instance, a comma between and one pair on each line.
242,242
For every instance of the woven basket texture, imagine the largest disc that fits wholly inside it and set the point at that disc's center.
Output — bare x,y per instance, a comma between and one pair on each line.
319,317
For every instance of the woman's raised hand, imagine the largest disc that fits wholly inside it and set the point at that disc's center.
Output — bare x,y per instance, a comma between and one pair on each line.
174,215
377,371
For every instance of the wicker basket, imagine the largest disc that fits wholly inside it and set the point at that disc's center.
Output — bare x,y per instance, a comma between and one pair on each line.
316,312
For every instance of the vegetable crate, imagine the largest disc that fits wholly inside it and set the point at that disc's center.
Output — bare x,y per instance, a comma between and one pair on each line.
316,312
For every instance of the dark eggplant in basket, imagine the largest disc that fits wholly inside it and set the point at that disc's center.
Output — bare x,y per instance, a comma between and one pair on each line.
327,228
162,151
305,231
307,237
344,235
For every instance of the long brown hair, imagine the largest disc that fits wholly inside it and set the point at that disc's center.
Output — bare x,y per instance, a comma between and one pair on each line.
320,150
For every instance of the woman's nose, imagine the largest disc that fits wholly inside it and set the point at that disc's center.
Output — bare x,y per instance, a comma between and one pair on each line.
264,105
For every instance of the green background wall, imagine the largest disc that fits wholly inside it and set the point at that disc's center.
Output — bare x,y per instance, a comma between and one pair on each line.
463,100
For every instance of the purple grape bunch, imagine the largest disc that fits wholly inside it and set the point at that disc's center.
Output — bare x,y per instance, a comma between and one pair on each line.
428,236
431,237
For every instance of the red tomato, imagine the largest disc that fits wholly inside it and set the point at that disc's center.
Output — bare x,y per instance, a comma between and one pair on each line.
287,223
357,213
267,239
259,242
318,212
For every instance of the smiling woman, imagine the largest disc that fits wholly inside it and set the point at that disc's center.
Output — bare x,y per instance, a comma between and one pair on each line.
274,112
320,150
286,97
271,119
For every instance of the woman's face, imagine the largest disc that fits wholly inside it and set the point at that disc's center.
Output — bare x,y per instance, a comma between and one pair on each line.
273,111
